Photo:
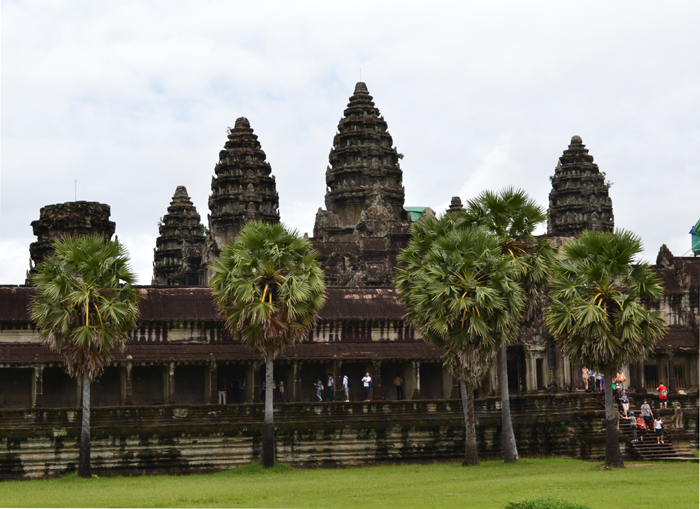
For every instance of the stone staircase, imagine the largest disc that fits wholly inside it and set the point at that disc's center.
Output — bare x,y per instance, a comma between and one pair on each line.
649,449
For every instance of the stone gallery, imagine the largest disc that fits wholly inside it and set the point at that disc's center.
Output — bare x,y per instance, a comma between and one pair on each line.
180,348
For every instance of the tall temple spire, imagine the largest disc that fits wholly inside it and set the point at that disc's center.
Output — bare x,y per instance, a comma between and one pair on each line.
579,198
243,188
364,179
177,258
364,224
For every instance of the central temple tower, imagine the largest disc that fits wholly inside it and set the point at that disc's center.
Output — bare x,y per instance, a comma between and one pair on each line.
364,224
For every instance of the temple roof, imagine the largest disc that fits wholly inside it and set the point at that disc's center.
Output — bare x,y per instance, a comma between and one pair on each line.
195,304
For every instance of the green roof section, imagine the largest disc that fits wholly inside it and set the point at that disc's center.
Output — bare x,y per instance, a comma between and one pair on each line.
414,213
695,238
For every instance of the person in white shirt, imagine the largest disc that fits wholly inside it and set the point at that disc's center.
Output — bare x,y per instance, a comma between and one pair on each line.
346,388
331,391
367,382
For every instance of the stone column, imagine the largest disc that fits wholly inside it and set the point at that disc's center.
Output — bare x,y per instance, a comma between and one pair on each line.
693,371
171,384
415,374
210,382
128,392
530,372
568,380
640,383
446,383
296,389
38,386
378,385
671,372
250,383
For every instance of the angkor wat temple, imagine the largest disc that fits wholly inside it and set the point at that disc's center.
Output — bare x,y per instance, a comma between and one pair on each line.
180,347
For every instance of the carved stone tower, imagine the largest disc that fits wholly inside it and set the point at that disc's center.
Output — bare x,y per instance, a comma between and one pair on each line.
242,190
364,224
68,219
364,179
579,198
177,258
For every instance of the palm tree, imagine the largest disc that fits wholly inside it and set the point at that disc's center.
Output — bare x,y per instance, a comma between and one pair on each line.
84,308
269,288
459,293
512,217
597,312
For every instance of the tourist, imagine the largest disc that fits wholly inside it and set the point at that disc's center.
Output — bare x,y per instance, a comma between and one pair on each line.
642,428
346,388
242,391
281,391
663,396
331,391
597,382
633,426
398,382
646,414
367,383
659,429
621,379
625,402
602,385
319,389
262,390
221,388
584,377
591,380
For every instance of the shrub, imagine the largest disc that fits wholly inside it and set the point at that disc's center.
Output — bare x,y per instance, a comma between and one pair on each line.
545,503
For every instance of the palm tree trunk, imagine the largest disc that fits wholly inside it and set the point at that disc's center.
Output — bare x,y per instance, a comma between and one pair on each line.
510,448
471,454
613,456
267,458
84,455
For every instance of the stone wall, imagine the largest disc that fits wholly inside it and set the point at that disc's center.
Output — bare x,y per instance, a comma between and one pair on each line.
183,439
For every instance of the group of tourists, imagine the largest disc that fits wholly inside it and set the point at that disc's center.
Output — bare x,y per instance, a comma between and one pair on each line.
233,392
595,382
644,423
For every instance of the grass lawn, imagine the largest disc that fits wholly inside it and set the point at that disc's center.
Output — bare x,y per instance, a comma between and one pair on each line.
489,485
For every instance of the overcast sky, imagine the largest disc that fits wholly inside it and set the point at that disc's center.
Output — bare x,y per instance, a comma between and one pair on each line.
133,99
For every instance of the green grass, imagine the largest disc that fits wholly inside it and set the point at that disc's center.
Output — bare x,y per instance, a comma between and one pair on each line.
490,485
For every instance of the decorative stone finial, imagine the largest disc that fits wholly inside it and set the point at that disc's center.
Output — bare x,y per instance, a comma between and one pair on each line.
361,88
665,257
576,140
456,205
242,123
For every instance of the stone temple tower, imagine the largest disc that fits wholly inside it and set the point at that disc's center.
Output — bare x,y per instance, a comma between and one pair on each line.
579,198
364,224
68,219
242,190
177,258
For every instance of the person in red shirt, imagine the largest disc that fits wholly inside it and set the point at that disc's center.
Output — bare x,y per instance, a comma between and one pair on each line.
663,396
641,428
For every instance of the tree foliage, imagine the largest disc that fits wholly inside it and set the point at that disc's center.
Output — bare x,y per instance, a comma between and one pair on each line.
457,288
597,311
85,303
268,286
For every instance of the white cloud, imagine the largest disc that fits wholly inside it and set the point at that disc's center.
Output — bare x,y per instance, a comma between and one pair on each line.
133,99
